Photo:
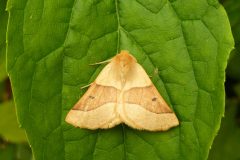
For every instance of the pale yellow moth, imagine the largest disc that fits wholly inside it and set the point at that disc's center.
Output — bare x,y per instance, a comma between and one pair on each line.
122,93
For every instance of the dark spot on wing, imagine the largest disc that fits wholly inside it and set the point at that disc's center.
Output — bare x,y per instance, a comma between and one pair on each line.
91,97
154,99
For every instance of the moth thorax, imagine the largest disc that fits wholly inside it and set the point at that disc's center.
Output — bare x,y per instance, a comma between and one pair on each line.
125,62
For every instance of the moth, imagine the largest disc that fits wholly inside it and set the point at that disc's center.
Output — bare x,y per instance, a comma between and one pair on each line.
122,93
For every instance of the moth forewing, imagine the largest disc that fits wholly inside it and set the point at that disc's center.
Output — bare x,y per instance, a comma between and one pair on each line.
122,93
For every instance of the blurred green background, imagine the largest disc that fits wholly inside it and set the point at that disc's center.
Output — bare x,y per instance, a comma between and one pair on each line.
13,141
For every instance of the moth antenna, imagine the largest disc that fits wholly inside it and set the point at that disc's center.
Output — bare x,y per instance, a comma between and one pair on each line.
155,72
86,86
102,62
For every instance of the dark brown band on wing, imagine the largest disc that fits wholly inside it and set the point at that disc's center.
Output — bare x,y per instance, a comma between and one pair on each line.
96,96
147,97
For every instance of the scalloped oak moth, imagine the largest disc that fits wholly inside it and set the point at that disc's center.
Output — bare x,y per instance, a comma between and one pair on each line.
122,93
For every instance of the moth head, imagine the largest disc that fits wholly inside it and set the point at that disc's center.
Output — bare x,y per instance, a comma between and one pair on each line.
124,59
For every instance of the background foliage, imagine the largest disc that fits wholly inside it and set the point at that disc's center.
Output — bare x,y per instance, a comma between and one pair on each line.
13,142
227,143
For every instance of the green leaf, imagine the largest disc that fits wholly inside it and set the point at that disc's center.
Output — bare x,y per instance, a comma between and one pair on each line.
3,23
10,151
9,128
52,43
237,90
233,66
232,8
7,152
226,145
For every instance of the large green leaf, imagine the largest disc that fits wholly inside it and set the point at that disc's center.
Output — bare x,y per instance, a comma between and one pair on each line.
52,43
